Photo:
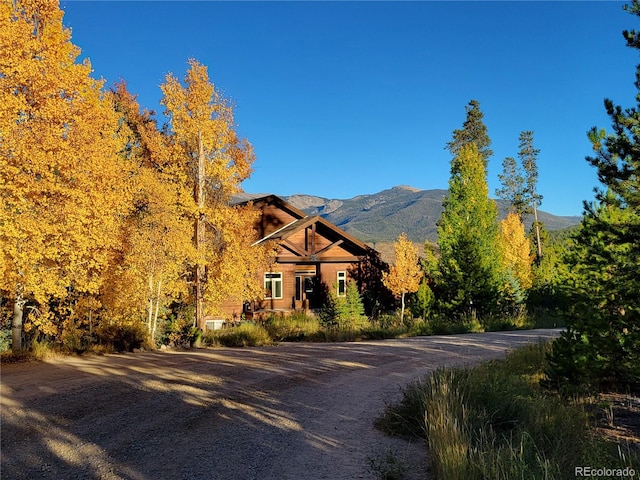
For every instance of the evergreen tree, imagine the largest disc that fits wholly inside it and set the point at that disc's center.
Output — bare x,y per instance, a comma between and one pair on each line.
469,265
601,346
528,156
473,131
513,187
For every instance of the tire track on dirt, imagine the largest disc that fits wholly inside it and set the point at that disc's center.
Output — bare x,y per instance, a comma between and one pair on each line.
293,411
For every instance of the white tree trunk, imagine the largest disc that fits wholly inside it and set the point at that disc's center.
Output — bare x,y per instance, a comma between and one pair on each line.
16,324
200,234
155,315
150,308
535,218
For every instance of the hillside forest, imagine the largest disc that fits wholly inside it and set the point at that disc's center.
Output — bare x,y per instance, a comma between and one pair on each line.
113,225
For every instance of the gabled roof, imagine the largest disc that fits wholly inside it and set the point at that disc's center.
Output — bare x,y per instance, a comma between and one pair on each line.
326,229
327,226
302,221
275,200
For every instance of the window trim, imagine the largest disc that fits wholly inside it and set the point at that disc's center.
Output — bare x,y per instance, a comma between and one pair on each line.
273,278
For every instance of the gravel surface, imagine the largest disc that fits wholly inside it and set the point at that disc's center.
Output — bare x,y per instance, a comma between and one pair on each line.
293,411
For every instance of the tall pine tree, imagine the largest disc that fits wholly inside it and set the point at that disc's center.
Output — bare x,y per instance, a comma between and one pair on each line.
601,346
470,267
473,131
513,187
528,156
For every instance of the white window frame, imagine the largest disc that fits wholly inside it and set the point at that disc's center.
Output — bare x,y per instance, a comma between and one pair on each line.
272,278
341,276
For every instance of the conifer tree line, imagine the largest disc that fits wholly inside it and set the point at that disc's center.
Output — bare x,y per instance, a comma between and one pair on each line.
493,273
107,218
481,267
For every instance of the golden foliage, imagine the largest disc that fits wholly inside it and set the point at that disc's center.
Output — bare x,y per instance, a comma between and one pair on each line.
516,249
62,185
205,146
98,205
405,275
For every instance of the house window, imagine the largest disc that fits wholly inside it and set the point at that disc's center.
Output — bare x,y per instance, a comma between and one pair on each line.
273,285
342,284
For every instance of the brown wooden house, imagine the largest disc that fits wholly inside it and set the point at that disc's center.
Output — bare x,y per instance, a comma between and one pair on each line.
314,257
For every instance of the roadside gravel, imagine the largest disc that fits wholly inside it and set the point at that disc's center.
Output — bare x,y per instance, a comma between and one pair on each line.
293,411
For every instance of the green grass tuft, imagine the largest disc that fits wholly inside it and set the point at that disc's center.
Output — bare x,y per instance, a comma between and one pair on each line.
494,421
245,335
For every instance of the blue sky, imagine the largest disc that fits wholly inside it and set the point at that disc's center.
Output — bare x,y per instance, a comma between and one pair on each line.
349,98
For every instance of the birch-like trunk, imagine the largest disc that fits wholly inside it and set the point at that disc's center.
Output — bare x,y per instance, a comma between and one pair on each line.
16,324
535,218
150,308
155,315
200,234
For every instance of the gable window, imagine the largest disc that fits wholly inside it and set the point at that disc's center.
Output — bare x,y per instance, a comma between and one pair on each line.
273,285
342,284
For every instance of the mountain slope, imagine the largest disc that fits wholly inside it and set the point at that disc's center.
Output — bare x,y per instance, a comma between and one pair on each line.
382,216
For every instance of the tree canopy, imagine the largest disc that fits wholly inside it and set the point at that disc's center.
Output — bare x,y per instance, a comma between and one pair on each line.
601,346
469,266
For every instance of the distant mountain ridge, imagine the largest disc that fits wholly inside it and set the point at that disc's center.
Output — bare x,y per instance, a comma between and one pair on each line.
381,217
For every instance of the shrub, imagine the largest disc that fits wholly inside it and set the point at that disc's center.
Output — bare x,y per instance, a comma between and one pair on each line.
245,335
5,339
293,327
72,338
180,332
122,336
345,312
41,349
494,421
387,321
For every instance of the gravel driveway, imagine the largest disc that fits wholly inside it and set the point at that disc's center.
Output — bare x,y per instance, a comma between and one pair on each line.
293,411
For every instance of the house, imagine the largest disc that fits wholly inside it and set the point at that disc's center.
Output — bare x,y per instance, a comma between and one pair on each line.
314,257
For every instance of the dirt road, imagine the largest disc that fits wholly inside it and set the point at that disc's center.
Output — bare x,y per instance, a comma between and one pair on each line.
293,411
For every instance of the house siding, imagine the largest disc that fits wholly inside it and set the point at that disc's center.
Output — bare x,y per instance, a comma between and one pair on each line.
300,239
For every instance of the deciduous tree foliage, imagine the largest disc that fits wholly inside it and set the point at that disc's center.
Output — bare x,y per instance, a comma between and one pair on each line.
516,250
215,161
469,265
405,274
601,346
62,184
156,246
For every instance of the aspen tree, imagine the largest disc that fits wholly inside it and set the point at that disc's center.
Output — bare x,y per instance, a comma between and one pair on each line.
516,250
156,243
405,274
216,161
62,189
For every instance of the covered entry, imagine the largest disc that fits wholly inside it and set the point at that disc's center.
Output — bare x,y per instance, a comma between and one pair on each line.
307,287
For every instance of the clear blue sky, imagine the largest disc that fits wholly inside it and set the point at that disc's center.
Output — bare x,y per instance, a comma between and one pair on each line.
349,98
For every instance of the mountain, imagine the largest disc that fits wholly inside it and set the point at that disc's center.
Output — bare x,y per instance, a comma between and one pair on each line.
380,217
